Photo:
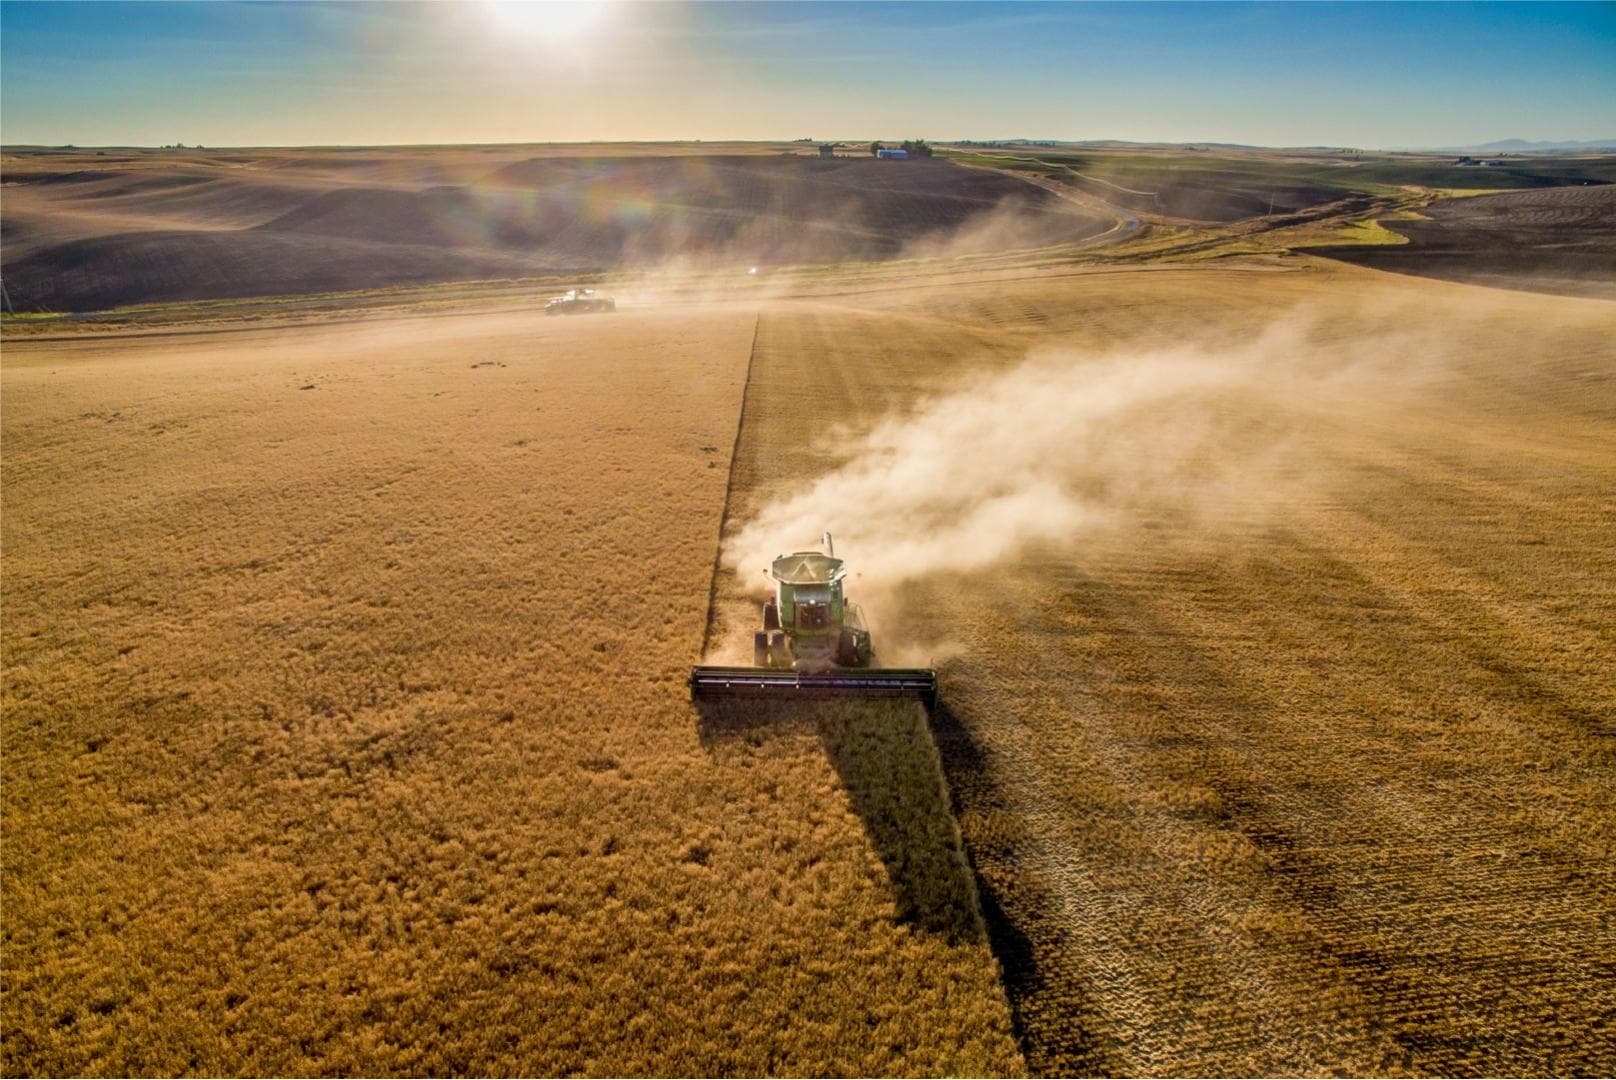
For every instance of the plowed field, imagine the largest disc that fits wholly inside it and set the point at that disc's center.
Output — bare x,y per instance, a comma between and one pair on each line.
1557,240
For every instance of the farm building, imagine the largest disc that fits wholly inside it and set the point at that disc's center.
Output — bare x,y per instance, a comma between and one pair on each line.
827,150
895,155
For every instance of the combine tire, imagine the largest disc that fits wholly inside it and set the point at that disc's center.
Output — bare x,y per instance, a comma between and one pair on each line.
847,649
853,649
771,615
760,649
781,654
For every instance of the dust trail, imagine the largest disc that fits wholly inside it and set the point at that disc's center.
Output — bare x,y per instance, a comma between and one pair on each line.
1013,224
974,476
774,257
1056,449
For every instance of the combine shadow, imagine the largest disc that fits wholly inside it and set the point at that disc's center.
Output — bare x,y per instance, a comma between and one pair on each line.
960,758
883,754
1071,1039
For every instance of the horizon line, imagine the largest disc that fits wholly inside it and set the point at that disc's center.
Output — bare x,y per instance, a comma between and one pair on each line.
1596,145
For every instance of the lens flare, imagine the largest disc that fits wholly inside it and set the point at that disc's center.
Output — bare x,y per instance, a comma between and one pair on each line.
551,22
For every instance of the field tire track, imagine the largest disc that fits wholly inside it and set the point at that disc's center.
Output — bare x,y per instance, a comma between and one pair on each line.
729,494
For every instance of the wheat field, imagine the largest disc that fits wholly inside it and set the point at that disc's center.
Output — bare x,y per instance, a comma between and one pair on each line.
1291,750
346,728
345,725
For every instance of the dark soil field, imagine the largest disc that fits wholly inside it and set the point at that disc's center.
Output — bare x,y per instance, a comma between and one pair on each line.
1225,185
1557,240
87,233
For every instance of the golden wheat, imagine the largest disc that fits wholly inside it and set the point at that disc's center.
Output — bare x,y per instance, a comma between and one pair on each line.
346,729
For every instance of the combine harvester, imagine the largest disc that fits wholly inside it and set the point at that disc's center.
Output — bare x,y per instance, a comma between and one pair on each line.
814,643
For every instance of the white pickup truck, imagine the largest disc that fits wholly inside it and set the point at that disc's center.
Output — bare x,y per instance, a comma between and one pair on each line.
580,302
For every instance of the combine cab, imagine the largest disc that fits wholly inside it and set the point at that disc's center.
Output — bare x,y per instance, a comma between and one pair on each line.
814,642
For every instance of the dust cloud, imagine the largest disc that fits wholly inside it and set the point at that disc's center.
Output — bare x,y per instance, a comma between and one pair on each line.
774,257
1012,224
1067,445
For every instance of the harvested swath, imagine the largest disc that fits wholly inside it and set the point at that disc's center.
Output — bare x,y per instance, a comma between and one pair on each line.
1307,786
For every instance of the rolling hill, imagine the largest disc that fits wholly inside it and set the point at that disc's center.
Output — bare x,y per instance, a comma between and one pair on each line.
93,236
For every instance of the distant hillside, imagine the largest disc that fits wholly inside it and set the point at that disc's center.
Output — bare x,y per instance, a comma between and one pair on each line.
93,232
1524,146
1500,146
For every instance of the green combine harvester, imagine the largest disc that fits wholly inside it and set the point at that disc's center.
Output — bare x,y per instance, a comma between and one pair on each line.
814,643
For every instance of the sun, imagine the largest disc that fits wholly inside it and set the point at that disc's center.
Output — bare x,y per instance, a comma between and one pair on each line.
551,21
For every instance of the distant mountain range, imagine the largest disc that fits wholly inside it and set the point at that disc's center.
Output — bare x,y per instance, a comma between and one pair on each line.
1519,146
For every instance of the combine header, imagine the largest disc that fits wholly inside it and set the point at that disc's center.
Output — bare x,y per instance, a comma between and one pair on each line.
814,643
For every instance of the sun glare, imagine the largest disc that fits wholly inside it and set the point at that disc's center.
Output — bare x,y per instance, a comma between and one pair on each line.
550,21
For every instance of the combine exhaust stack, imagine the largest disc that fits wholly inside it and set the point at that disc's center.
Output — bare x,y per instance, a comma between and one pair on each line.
814,643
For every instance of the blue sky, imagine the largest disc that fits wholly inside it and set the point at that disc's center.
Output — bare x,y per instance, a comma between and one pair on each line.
1369,75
